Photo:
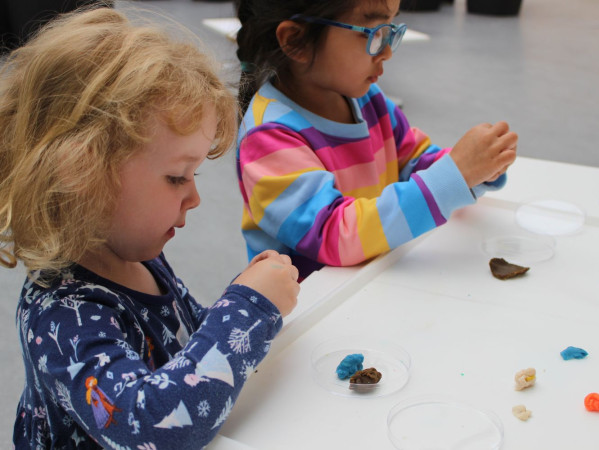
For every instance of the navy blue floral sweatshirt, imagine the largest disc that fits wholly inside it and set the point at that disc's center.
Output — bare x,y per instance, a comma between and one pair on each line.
109,367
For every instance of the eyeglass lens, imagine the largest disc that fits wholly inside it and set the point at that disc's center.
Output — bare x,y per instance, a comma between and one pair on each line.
384,36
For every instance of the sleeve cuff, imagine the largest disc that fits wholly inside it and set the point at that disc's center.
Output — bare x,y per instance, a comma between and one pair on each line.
259,301
480,189
446,183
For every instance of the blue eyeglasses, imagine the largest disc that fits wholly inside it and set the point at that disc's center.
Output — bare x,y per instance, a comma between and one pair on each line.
378,37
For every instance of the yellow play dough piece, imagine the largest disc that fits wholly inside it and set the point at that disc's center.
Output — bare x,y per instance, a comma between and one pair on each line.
525,378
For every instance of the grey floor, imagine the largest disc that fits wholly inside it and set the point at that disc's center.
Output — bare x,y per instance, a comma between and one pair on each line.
539,71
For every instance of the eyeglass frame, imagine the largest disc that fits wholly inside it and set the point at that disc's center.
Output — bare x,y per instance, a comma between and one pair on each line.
396,30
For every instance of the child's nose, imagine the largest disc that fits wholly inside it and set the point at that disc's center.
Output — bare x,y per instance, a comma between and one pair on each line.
385,54
193,198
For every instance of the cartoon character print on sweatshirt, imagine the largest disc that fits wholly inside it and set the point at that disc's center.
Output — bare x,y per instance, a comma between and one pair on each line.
102,406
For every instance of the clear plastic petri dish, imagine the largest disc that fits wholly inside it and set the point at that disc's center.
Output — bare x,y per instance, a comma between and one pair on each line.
550,217
442,423
391,360
519,249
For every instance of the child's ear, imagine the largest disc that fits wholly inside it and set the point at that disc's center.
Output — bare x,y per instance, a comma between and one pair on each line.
289,35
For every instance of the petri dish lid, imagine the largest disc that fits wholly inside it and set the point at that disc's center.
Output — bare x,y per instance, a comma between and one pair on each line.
441,423
550,217
391,360
519,249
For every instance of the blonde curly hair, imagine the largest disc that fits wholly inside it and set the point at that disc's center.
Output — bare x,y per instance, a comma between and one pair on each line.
75,103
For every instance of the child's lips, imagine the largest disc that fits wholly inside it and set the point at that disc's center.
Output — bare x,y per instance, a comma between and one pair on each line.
374,78
171,232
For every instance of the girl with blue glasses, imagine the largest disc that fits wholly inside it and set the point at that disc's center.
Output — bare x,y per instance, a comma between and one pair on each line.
378,37
330,171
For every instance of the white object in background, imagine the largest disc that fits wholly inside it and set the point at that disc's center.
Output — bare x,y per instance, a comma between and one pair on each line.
550,217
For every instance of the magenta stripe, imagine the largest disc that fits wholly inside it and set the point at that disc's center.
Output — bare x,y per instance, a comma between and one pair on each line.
430,200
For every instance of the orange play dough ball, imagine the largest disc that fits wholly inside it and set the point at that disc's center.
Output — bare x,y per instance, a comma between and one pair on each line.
591,402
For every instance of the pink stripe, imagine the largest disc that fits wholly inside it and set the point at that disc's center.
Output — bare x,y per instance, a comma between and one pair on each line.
344,231
383,127
345,155
406,149
353,153
356,177
256,145
365,175
277,164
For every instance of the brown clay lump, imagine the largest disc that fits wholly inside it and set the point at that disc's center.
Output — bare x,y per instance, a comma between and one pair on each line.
503,270
366,376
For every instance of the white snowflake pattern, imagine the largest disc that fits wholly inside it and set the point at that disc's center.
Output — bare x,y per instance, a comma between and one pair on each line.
68,420
164,312
102,334
203,408
267,345
42,364
122,344
247,368
133,356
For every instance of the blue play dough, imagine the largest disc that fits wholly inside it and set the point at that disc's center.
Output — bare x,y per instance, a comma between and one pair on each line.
350,365
573,353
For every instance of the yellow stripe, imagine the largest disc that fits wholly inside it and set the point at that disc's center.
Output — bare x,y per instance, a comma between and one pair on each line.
247,222
259,108
269,188
420,148
371,231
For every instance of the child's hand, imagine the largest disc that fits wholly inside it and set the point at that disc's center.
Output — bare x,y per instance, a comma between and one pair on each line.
485,152
273,275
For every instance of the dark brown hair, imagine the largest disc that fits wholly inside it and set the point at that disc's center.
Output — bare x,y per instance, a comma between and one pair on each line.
259,52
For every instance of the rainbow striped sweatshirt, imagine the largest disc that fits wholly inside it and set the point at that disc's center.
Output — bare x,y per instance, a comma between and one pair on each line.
329,193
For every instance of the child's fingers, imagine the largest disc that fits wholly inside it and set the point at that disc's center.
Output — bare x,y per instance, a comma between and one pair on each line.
500,128
294,273
285,258
506,158
508,140
265,255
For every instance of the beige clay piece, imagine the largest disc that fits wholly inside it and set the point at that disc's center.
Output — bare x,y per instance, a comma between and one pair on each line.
521,412
525,378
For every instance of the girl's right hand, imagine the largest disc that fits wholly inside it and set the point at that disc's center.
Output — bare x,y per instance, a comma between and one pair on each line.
485,152
272,275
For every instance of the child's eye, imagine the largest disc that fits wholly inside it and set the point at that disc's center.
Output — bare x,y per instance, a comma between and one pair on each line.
177,181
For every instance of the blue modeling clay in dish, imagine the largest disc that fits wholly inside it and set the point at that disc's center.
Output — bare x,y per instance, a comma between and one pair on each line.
350,365
573,353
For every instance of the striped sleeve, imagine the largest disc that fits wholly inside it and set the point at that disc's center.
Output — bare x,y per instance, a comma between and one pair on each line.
292,195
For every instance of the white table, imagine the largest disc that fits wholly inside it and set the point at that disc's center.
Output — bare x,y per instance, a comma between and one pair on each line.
467,333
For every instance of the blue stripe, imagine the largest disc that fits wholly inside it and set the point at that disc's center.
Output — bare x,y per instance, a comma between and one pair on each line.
301,220
395,226
257,241
303,189
415,207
